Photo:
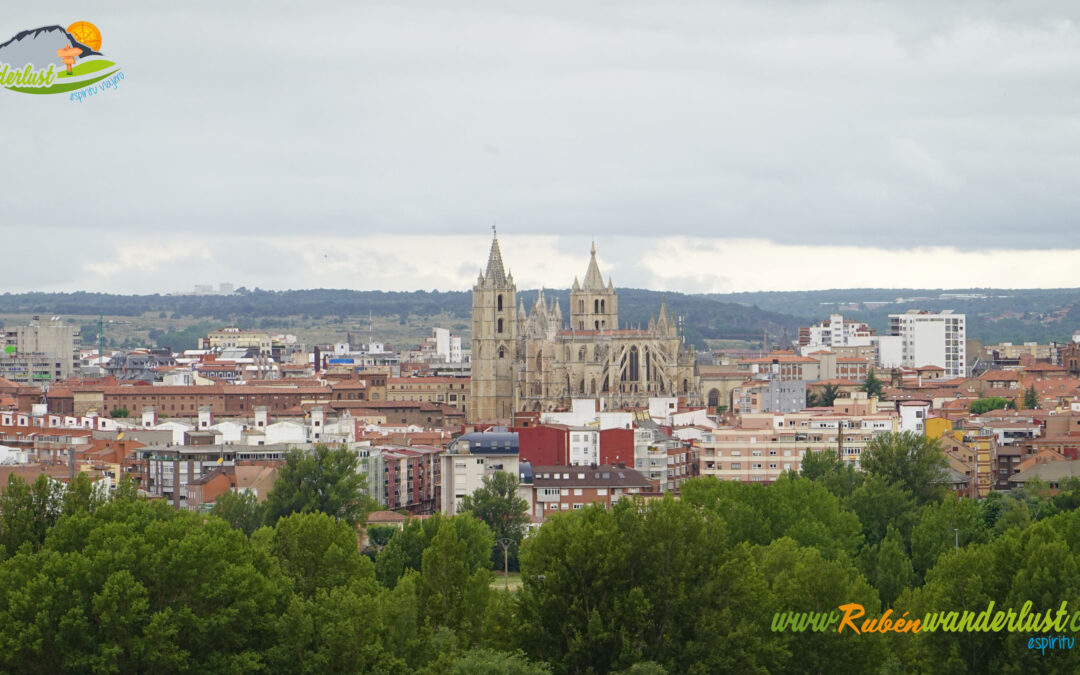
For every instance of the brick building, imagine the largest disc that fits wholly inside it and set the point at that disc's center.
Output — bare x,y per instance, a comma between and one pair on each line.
553,489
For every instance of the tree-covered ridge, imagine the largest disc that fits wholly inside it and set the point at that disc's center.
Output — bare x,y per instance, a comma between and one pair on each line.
702,318
993,314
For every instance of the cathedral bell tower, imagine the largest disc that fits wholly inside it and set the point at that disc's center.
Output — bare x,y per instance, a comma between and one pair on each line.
593,306
494,341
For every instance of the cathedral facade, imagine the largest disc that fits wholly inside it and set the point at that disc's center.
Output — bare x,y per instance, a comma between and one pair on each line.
538,360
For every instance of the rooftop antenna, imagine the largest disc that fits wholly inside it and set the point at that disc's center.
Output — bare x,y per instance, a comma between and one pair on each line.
100,339
371,329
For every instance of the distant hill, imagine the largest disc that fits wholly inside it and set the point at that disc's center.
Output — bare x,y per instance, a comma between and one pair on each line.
994,314
702,317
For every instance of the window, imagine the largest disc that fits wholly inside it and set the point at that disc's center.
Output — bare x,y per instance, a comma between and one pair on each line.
565,506
601,492
499,303
736,466
499,326
577,506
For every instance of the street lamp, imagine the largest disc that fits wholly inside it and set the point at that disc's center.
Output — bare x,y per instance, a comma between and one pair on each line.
505,542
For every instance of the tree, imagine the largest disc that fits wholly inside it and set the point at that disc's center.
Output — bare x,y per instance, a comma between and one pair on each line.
240,510
27,511
1031,399
405,550
823,466
323,480
450,596
319,553
942,526
379,535
825,397
119,412
917,463
872,385
138,587
882,505
491,662
653,581
985,405
497,504
893,571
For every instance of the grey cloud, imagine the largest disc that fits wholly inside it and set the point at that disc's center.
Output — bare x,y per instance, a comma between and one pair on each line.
862,123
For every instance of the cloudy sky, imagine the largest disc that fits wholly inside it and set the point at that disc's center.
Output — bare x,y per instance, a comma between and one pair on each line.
713,146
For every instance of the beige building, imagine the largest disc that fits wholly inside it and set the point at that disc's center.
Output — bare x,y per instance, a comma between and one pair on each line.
764,446
234,338
40,352
536,361
453,391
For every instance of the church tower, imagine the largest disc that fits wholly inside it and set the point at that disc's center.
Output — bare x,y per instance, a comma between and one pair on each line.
494,341
593,306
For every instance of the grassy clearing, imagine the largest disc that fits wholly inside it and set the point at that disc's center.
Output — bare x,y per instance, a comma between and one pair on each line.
513,582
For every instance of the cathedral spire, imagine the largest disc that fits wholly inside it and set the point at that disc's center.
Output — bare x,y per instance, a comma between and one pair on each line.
593,279
495,274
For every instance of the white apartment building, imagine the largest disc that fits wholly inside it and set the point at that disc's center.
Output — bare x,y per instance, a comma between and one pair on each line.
447,346
932,339
834,332
584,446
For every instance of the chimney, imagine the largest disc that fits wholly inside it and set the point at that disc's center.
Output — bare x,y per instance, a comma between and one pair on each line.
318,422
262,417
206,418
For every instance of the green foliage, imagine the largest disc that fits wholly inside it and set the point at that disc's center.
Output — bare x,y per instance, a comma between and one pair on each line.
240,510
136,586
324,480
803,510
801,579
872,385
942,527
985,405
915,462
497,504
881,505
28,511
379,535
405,549
1031,399
450,596
670,585
823,398
603,590
892,570
483,661
319,553
119,412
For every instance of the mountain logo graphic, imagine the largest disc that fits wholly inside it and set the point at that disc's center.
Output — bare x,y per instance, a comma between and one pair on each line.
54,60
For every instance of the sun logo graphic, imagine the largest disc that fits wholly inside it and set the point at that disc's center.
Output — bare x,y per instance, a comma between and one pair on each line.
57,60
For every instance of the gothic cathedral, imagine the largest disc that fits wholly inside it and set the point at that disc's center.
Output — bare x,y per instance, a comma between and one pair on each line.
537,361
